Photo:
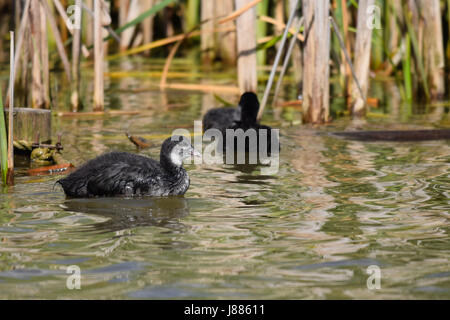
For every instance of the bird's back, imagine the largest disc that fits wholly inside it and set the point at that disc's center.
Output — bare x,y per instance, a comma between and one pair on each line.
221,118
114,173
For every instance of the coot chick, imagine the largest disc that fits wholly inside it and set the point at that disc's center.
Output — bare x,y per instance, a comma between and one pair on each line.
122,173
243,117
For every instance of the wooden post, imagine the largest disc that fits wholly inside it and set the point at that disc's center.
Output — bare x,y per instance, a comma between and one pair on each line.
76,49
362,58
246,47
98,58
316,58
207,35
27,122
433,47
226,41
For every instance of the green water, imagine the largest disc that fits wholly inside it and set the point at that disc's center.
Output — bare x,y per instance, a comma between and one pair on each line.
311,231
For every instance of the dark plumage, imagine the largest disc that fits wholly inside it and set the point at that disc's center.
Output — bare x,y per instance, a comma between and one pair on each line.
122,173
243,117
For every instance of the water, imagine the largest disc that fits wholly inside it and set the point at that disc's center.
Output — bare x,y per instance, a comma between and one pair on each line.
335,208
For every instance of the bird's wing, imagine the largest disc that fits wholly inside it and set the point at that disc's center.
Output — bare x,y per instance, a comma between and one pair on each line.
121,178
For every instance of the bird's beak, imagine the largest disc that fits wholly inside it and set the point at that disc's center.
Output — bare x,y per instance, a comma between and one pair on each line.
195,153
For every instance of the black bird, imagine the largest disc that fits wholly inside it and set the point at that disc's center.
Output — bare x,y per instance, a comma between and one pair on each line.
127,174
243,117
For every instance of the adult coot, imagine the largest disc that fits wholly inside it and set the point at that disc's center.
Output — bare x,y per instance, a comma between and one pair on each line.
122,173
243,117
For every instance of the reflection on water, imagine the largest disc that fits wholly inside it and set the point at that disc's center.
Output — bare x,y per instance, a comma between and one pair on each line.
126,213
334,208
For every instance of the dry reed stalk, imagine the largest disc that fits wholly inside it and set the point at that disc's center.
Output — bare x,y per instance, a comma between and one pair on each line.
277,59
345,24
127,34
10,172
163,42
207,37
362,51
239,11
173,50
287,56
75,84
58,39
98,59
44,58
147,25
297,55
246,47
203,87
37,89
106,21
65,18
433,47
279,18
89,29
316,59
281,25
226,41
22,29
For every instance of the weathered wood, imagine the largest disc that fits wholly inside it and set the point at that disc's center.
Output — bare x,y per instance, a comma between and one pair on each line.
226,41
362,58
207,27
27,122
398,135
246,47
98,59
433,46
316,58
